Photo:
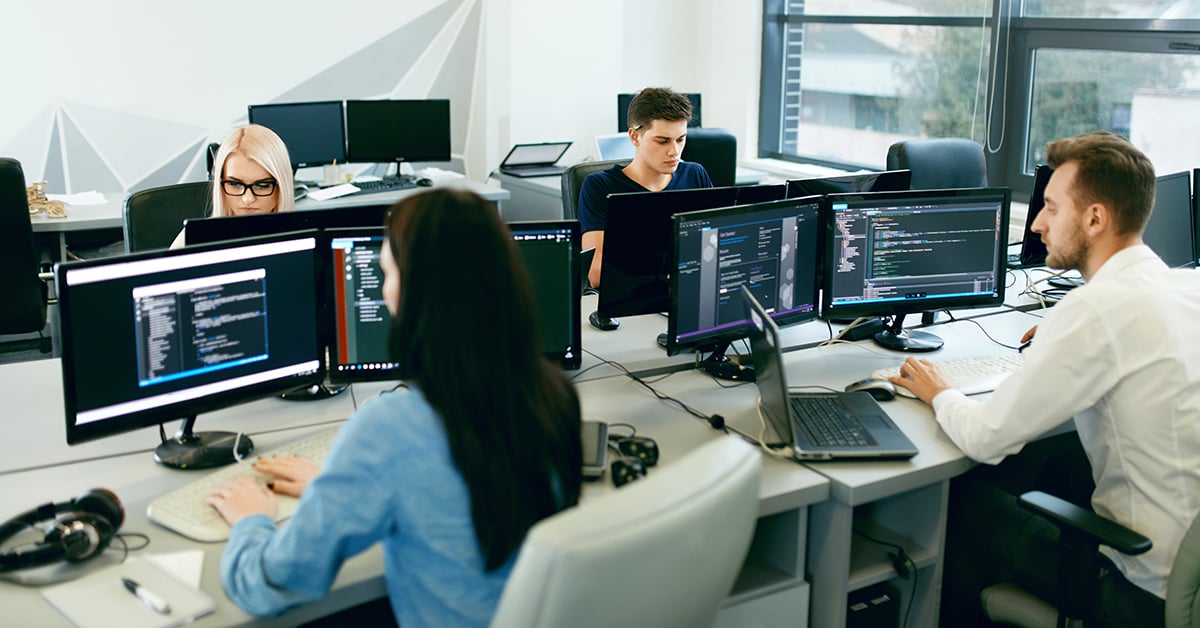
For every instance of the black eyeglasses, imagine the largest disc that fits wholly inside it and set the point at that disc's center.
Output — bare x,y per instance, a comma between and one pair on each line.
266,187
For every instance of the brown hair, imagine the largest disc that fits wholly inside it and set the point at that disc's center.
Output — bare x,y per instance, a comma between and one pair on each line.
1111,172
657,103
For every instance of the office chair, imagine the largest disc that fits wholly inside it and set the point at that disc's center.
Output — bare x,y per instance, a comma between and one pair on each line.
154,217
663,551
572,182
937,163
25,294
210,156
1082,532
716,150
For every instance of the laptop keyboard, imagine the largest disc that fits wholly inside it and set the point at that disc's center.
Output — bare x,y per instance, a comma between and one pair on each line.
825,421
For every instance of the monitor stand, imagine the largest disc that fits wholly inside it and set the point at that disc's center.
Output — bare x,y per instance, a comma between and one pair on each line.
200,450
722,366
314,392
896,338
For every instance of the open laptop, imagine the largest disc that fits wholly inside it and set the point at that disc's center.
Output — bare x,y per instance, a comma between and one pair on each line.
614,146
802,420
534,160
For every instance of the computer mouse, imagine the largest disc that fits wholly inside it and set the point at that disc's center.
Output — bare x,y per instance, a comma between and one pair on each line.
425,182
880,389
601,323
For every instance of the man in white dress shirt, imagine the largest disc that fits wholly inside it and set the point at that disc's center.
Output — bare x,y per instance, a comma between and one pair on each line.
1119,355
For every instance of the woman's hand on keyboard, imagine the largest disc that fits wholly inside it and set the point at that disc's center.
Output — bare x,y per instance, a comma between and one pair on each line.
242,497
289,474
923,378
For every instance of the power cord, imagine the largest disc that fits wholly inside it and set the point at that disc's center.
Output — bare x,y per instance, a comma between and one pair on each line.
715,420
981,328
904,567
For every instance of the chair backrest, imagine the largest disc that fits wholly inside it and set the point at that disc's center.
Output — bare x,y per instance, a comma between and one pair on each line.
1183,583
716,150
663,551
155,216
572,182
24,308
937,163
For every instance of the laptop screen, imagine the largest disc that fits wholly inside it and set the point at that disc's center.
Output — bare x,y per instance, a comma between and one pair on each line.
768,367
535,154
614,146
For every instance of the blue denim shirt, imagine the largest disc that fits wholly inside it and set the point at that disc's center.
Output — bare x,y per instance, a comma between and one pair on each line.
388,478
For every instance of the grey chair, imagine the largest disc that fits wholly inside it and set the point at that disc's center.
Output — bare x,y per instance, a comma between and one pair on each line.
572,182
153,217
937,163
25,294
716,150
1082,532
663,551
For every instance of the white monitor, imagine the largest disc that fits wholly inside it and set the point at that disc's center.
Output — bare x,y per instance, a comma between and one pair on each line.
614,146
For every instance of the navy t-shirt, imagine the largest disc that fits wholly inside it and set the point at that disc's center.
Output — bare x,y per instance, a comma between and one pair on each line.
592,207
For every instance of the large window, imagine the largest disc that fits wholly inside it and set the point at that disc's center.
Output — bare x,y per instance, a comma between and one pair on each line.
842,81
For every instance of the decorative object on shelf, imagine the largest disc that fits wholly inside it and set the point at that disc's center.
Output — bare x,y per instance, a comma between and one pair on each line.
36,195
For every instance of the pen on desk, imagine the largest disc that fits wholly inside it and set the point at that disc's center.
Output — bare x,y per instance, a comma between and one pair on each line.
152,601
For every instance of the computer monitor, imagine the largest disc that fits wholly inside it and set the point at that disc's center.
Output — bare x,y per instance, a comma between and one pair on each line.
623,111
384,131
1196,211
1033,250
221,228
1170,231
885,181
358,323
152,337
893,253
312,131
763,193
772,248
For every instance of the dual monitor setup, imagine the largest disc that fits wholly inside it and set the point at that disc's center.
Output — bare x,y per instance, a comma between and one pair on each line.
238,315
846,247
359,131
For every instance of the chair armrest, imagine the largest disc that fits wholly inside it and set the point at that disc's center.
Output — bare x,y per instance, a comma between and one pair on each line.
1103,531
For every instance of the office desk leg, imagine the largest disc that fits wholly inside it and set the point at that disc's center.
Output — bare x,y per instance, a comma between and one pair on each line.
62,246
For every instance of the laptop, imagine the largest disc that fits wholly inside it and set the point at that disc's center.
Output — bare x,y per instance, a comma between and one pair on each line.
534,160
801,420
614,146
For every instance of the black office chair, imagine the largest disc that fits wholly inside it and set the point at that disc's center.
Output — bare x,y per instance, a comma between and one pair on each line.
210,156
572,182
716,150
1082,532
153,217
938,163
25,294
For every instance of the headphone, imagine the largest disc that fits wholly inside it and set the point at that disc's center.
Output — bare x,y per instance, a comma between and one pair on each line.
635,455
87,525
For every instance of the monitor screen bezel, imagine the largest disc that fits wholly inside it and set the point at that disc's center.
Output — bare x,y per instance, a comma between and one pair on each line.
341,129
221,228
736,331
82,432
441,153
928,304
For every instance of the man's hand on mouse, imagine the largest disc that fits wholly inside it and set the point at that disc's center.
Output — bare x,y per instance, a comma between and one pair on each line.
923,378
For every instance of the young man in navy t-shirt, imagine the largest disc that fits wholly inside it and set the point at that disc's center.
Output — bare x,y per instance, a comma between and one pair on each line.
658,119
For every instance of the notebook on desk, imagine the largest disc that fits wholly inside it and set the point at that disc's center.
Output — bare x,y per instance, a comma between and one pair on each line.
817,426
534,160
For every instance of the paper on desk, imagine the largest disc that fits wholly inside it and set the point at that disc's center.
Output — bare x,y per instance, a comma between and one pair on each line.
187,566
333,192
91,197
438,173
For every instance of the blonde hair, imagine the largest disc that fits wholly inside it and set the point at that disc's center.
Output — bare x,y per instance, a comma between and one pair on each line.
262,146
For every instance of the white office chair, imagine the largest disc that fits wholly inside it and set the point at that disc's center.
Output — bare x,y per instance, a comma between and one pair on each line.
663,551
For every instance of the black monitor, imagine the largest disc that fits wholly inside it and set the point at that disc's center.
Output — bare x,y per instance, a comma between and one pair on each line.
152,337
384,131
885,181
893,253
359,324
1170,231
220,228
1196,211
312,131
623,111
1033,250
772,248
765,193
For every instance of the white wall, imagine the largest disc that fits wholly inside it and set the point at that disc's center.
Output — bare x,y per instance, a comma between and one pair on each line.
129,92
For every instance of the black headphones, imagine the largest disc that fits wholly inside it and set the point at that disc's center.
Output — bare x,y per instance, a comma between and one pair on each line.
87,525
636,454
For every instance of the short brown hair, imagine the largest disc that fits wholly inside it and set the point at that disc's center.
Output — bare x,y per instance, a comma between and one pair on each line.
1112,172
657,103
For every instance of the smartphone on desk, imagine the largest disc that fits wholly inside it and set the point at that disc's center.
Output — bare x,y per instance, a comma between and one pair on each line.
594,435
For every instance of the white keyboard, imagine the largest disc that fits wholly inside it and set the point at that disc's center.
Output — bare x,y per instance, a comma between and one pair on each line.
186,510
970,375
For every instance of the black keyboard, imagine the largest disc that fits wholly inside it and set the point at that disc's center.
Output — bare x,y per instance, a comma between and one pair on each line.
387,184
825,421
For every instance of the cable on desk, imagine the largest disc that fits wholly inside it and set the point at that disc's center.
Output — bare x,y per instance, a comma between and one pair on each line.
715,420
761,441
904,566
980,326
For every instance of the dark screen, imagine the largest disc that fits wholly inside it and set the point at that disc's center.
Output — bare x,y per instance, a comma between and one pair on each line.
151,338
397,130
886,181
623,111
1033,250
550,250
220,228
312,131
1169,231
